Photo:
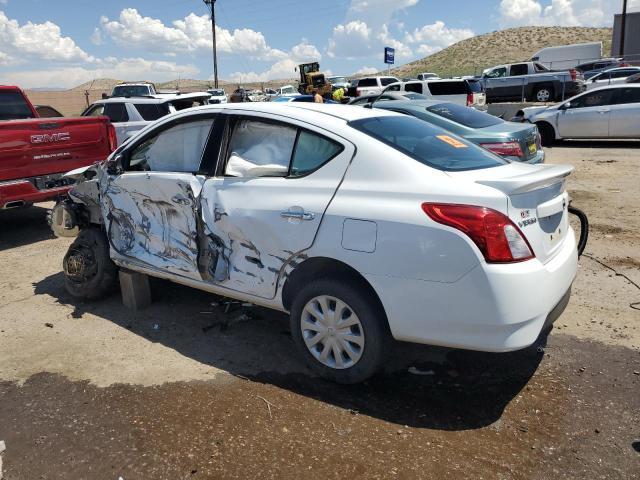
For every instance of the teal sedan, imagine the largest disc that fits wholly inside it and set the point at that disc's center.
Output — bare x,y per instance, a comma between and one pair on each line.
515,141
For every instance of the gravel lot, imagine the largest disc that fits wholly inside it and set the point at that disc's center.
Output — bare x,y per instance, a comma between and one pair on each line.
184,390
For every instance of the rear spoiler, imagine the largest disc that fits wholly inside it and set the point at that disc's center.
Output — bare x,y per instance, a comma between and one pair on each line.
543,176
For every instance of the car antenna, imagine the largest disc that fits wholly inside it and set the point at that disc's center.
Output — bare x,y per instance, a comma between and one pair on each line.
370,104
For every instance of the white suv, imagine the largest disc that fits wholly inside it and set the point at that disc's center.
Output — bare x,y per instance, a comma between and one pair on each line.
462,91
364,225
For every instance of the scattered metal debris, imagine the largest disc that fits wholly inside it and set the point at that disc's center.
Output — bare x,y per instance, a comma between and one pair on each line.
49,325
269,404
416,371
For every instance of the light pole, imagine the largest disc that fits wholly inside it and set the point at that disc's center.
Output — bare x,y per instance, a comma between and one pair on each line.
623,25
211,4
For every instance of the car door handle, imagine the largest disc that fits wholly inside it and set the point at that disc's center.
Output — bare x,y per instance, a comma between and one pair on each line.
603,111
300,215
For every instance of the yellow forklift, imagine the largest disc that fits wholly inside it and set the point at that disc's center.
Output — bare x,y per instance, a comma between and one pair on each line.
312,79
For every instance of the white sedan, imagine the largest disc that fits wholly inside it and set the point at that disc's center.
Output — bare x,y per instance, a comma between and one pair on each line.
604,113
612,76
365,225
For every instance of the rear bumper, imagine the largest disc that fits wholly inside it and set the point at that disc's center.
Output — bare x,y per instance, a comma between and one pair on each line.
493,308
18,192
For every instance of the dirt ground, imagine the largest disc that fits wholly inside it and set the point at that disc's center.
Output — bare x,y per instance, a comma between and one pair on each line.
184,390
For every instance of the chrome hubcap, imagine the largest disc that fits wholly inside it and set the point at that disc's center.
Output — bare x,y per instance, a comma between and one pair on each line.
332,332
543,95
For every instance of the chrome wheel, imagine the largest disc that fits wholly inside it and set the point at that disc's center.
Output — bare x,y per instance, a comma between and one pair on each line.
332,332
543,95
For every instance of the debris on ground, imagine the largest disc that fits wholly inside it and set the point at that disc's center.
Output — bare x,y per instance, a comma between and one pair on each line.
416,371
49,325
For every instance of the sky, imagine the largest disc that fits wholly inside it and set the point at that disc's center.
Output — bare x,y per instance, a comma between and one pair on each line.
62,43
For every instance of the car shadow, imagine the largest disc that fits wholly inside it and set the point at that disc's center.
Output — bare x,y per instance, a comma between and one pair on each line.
23,226
427,387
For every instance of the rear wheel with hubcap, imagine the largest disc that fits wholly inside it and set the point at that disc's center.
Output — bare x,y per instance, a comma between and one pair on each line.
544,94
340,330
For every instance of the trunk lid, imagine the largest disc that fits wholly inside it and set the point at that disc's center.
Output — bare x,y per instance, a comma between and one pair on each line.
537,201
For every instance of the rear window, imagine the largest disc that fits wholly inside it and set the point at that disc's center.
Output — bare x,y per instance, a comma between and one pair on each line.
469,117
152,111
414,87
475,86
428,144
117,112
13,106
448,88
367,82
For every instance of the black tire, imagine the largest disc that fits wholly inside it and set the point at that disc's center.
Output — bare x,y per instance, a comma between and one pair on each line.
543,92
371,317
89,272
547,134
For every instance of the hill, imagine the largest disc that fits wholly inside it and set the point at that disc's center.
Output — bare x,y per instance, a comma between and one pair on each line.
471,56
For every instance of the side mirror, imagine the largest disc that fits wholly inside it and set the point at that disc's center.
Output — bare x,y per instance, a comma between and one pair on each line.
114,165
564,106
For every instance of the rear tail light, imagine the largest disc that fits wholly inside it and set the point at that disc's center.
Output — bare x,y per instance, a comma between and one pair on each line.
574,73
504,149
113,138
469,99
499,240
358,92
624,64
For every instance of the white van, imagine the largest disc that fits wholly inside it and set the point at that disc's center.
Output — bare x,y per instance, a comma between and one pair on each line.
568,56
463,91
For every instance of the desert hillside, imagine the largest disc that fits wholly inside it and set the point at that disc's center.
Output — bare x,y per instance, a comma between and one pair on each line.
471,56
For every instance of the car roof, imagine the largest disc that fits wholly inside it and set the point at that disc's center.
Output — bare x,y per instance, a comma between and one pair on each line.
617,69
155,98
411,103
327,111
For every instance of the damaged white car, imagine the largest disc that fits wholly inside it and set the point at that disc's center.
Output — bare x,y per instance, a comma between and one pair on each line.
365,225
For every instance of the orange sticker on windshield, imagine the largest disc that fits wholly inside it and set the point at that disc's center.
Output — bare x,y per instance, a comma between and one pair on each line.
451,141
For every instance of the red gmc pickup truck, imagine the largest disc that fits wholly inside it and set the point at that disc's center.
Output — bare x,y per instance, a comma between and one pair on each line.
36,152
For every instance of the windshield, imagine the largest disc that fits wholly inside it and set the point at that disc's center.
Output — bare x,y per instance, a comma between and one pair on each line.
217,93
338,80
469,117
13,106
415,96
428,144
131,91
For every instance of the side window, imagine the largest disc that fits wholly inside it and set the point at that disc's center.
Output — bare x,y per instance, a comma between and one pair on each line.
458,87
367,82
177,149
596,99
260,149
117,112
152,111
621,74
393,88
414,87
628,95
519,69
312,151
387,81
497,72
96,111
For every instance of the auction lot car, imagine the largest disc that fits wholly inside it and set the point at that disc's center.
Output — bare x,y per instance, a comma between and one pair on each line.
603,113
515,141
131,114
362,224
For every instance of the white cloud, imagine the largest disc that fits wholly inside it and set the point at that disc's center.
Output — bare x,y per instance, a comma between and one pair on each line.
436,36
193,33
96,37
590,13
351,40
126,69
367,71
305,52
401,50
282,69
38,40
